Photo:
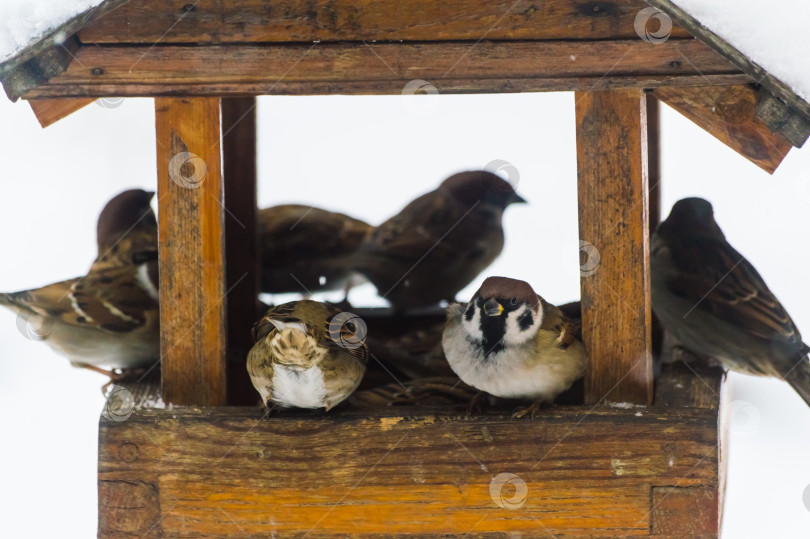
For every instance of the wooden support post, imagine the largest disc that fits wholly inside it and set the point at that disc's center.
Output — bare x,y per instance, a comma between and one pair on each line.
614,233
239,163
654,190
191,240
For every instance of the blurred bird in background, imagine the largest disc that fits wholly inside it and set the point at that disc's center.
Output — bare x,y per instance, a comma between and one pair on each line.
511,343
109,317
714,303
439,242
303,249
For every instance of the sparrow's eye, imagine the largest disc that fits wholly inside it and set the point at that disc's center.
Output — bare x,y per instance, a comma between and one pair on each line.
513,301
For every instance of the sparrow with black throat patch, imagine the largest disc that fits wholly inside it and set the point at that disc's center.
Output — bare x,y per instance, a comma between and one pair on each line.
109,317
300,247
439,242
714,303
306,354
511,343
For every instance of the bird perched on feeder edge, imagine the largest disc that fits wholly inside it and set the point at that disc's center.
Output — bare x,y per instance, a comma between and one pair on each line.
439,242
511,343
715,303
307,354
109,317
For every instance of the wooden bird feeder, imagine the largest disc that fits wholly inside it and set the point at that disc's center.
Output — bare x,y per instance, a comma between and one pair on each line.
209,466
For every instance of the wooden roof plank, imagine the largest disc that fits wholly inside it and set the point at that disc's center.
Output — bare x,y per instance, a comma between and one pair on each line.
249,21
729,113
384,68
38,69
50,111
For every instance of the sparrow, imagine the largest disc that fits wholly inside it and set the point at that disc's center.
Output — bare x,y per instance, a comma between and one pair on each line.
511,343
306,354
109,317
714,303
299,248
439,242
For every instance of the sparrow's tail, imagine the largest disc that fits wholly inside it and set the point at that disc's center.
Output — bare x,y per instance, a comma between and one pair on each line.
799,377
10,301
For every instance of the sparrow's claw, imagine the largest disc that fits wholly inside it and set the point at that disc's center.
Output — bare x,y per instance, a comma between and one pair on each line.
270,409
530,410
476,404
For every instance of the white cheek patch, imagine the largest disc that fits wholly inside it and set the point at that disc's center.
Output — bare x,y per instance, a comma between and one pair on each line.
472,326
514,333
142,276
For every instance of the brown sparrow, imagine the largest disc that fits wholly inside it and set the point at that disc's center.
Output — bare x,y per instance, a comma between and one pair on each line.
511,343
439,242
307,354
109,317
714,303
299,247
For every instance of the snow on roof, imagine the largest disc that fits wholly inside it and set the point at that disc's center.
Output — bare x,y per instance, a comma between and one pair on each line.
23,22
772,34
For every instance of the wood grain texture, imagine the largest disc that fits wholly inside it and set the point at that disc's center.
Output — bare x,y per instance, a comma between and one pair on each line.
245,21
50,111
729,113
191,251
451,67
227,472
671,503
241,248
654,195
614,223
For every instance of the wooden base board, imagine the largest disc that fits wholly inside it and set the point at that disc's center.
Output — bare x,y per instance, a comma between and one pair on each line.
607,471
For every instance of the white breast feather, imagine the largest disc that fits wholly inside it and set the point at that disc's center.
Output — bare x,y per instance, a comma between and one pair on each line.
301,388
506,374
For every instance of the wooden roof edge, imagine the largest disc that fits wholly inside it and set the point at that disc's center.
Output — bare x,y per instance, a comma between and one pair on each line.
48,62
57,36
781,107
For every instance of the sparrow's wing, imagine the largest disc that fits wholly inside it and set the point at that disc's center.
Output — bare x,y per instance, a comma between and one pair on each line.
418,228
108,298
346,334
721,281
112,299
554,320
260,369
51,301
346,339
305,232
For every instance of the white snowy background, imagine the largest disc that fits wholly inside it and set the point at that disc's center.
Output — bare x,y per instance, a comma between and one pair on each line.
368,156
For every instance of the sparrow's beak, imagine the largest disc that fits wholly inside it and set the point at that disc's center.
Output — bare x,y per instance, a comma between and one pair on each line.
151,194
516,199
492,308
